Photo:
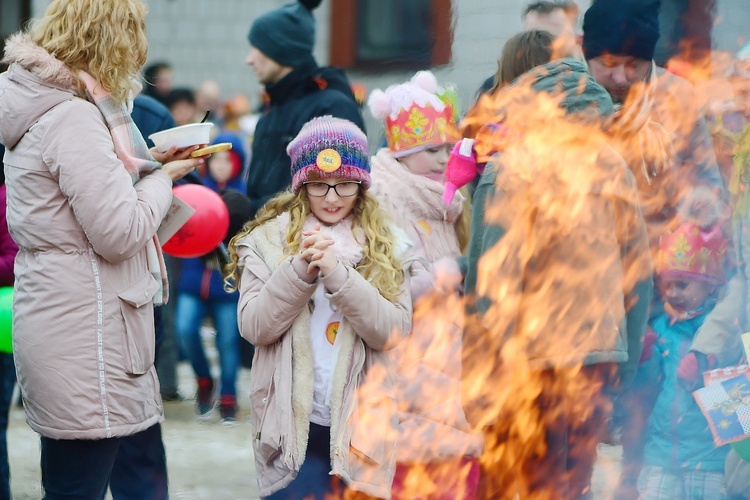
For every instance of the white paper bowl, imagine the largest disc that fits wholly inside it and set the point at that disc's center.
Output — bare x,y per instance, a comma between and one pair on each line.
183,136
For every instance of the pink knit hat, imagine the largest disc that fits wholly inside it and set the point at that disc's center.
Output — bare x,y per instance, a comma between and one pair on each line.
329,147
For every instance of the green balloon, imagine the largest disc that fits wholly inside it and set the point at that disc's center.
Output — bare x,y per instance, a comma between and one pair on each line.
743,449
6,319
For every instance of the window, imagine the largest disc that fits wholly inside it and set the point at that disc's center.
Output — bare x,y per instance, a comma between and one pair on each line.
13,13
685,27
387,34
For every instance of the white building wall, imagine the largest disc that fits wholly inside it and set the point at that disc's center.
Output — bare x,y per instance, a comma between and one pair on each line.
207,39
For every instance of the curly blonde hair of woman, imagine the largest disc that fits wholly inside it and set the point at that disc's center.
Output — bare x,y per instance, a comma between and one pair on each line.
107,39
379,264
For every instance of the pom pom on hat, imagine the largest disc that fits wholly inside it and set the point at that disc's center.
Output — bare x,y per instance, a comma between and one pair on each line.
702,208
379,104
328,148
310,4
425,80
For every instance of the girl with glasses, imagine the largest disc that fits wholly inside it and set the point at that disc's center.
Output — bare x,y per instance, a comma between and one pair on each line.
324,291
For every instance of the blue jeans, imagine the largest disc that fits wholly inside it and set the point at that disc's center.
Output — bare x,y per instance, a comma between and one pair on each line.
191,310
7,382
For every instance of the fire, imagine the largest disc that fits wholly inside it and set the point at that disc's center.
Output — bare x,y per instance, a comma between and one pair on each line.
555,287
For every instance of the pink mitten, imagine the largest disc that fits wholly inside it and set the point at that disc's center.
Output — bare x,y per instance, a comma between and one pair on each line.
693,365
447,275
688,368
462,168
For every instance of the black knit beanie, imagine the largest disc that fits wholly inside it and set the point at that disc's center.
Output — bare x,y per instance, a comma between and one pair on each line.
621,27
286,34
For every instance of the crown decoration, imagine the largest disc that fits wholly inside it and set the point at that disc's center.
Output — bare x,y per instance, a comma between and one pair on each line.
417,113
692,252
421,126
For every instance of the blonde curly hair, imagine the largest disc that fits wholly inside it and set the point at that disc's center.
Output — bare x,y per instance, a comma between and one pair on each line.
379,264
105,38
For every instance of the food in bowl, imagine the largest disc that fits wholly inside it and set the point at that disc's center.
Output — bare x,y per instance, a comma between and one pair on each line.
183,136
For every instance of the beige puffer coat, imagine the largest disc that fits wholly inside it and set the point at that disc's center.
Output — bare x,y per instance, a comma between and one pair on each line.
82,313
274,316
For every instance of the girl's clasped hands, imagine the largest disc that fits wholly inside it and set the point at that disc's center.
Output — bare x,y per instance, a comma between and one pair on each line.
317,252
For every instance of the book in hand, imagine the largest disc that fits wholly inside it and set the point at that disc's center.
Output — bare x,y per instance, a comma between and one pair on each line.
177,215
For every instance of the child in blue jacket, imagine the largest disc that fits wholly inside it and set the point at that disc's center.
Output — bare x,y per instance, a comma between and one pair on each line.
681,460
200,293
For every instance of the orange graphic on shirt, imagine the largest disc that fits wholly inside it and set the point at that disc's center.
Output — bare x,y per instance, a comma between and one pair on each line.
331,331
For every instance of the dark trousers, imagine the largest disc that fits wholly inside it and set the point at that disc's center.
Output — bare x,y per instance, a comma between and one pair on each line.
545,447
7,382
632,411
134,467
314,482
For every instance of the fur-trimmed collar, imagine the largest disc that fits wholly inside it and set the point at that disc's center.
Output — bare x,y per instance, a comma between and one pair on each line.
421,196
21,49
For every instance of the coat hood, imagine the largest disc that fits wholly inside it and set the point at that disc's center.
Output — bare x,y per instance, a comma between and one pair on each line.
35,83
571,79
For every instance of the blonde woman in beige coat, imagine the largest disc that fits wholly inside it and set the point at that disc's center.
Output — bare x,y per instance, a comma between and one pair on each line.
324,297
85,198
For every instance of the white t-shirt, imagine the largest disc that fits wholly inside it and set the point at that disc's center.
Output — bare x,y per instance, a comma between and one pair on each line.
324,324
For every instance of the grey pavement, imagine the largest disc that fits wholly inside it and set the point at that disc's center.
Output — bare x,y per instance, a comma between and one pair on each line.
206,459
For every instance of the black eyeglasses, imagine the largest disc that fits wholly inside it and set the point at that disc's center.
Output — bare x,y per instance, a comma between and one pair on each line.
342,189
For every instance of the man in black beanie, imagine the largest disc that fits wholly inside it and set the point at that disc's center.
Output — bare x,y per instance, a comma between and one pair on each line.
662,135
619,38
658,127
298,90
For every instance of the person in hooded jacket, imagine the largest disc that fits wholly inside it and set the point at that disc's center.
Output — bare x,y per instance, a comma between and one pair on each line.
200,292
558,285
297,89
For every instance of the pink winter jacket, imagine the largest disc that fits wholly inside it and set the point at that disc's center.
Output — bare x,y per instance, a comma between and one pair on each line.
274,315
432,425
83,331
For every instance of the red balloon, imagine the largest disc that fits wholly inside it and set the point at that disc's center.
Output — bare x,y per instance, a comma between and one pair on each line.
205,229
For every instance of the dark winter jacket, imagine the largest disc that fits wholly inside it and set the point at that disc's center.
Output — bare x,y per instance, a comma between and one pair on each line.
558,241
150,116
308,91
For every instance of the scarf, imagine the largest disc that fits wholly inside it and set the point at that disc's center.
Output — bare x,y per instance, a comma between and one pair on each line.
348,249
132,150
677,316
639,134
